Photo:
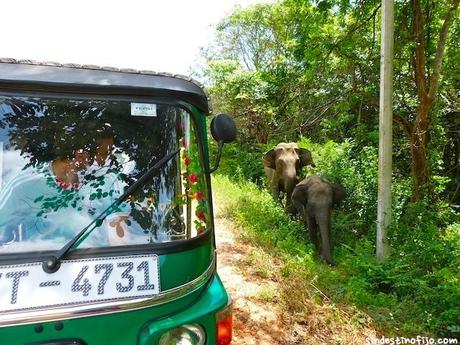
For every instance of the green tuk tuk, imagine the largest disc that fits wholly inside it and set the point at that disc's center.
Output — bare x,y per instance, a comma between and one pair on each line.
106,218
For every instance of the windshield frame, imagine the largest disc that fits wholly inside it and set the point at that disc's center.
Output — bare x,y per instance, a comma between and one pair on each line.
157,248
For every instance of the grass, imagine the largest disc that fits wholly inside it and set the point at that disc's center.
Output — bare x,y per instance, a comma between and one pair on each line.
358,294
267,294
260,261
298,296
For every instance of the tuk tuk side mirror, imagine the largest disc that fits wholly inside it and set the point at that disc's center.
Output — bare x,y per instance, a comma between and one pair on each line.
223,130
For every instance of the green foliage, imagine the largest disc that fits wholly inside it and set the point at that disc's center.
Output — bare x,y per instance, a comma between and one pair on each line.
308,71
242,162
416,291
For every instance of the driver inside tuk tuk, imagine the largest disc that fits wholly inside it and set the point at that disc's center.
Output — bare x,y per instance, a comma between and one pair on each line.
92,153
67,193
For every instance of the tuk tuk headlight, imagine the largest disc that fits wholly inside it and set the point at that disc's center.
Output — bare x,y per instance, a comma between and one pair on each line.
192,334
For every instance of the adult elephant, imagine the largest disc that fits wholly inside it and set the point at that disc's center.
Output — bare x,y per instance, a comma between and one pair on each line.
314,198
282,165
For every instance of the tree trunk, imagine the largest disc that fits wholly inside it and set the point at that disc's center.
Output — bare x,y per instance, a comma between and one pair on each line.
419,141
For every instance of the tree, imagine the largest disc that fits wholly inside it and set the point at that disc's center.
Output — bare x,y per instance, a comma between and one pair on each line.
427,74
310,68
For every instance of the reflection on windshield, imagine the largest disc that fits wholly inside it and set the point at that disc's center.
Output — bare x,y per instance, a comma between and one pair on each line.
62,162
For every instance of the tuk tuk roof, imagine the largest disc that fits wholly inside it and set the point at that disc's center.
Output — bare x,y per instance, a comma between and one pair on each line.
29,75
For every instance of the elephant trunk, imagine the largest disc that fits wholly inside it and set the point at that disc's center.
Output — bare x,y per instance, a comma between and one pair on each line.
323,219
290,181
289,174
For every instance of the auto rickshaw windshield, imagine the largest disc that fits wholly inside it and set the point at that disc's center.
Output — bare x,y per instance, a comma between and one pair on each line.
63,161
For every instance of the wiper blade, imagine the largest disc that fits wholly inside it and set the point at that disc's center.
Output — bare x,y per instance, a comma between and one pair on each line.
53,263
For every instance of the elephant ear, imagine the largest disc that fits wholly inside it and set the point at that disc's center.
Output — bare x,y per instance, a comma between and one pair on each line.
305,157
269,159
339,193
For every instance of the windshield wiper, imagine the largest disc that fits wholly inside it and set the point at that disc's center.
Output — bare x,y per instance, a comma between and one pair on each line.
53,263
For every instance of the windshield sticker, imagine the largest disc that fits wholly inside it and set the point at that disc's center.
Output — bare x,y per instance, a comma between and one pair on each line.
143,109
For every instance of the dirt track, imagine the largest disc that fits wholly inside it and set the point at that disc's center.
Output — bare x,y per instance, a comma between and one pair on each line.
255,321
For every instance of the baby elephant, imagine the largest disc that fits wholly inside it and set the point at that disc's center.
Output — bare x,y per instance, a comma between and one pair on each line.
314,198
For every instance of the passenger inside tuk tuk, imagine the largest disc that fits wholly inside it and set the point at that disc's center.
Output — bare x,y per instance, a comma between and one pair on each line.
85,175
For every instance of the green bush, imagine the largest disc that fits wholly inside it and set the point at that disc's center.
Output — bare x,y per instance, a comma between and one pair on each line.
241,162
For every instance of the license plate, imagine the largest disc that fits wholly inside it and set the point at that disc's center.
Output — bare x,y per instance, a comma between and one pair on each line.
27,286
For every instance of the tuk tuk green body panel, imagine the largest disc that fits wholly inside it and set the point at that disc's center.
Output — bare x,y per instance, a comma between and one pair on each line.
186,266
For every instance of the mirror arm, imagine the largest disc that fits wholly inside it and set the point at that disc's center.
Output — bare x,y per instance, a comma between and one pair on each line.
219,154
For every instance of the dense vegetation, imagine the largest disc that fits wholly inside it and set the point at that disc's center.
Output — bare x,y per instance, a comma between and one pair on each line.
308,71
416,291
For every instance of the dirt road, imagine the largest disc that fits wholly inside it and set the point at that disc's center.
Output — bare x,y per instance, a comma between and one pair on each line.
255,321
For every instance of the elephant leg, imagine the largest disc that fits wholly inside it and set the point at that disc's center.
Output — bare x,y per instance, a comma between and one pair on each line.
281,198
290,208
300,209
314,233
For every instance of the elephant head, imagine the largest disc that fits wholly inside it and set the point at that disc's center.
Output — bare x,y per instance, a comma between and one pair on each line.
314,198
282,164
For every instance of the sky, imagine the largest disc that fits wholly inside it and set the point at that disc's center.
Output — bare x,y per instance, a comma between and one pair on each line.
159,35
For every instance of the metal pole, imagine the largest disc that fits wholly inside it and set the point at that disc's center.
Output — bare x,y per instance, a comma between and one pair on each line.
385,129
